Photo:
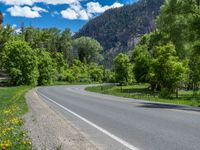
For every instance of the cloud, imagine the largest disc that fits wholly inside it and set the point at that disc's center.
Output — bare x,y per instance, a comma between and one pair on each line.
31,2
95,7
17,2
76,11
39,9
23,12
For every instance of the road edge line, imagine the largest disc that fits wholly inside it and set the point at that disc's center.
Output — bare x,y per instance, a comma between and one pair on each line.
121,141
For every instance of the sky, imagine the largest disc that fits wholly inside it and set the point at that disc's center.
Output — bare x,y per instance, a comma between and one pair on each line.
72,14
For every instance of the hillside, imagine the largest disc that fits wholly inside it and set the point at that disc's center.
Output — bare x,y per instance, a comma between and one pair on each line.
118,30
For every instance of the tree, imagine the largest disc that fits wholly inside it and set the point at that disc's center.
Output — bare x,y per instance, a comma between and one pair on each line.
141,59
123,69
166,69
65,45
195,65
60,65
79,71
46,68
174,19
6,34
88,49
20,62
96,72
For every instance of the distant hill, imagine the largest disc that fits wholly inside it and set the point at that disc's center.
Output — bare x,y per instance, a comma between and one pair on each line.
119,29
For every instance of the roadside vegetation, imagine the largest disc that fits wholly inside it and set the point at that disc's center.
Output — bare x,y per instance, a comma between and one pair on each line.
142,92
12,108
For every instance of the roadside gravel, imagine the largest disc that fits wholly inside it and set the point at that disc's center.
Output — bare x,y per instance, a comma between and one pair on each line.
49,130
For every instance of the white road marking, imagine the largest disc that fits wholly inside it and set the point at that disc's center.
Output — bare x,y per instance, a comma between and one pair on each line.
126,144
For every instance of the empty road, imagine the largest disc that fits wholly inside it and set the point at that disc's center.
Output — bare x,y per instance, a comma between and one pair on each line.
120,123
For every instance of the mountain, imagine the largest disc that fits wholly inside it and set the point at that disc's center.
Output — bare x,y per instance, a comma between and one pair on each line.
119,29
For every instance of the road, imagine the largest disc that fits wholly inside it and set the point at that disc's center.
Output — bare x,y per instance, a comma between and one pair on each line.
121,123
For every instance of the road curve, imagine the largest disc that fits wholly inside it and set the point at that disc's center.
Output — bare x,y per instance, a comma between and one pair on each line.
142,125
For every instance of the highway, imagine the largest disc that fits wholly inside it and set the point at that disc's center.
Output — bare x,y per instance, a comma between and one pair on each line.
115,123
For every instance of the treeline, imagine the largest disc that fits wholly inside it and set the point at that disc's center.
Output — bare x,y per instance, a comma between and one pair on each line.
169,57
42,56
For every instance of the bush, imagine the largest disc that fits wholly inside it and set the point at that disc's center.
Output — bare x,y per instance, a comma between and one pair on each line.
46,68
20,62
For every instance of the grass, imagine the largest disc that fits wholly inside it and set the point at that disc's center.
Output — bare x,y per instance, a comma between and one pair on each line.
141,92
12,107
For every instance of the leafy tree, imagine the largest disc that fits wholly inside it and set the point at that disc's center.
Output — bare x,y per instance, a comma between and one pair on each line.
60,65
195,65
109,76
65,45
79,71
123,69
174,19
141,59
166,69
96,72
20,62
6,33
88,49
46,68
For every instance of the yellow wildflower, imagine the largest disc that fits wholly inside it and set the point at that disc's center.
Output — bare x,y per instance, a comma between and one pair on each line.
6,144
16,121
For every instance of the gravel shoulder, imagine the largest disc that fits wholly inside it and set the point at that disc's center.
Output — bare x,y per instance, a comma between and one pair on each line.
48,129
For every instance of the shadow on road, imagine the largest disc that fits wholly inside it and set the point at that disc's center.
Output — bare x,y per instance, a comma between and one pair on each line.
168,106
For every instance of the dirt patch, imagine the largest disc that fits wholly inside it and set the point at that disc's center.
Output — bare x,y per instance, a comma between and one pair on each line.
49,130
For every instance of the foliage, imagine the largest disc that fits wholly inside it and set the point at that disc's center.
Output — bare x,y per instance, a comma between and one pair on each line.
123,69
95,72
141,92
46,68
20,62
166,70
88,49
195,65
12,107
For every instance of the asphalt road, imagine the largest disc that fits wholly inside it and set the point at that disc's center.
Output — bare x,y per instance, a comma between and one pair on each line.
130,123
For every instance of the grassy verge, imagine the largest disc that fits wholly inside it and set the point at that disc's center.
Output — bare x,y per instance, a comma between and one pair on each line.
12,107
141,92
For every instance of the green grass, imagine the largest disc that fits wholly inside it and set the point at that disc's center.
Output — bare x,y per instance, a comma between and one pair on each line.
141,92
12,107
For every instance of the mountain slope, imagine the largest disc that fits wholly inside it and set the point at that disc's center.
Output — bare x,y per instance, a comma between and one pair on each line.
118,30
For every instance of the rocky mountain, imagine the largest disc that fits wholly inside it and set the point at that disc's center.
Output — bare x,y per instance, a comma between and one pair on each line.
119,29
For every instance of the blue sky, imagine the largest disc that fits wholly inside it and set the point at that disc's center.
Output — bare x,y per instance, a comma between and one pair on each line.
62,14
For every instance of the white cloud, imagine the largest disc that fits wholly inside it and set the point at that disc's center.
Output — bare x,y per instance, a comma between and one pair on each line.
17,2
23,12
95,7
76,11
31,2
39,9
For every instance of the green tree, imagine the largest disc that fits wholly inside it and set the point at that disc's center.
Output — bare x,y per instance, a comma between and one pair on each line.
166,69
20,62
123,69
79,71
195,65
6,33
65,45
141,59
46,68
60,65
96,72
88,49
175,20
